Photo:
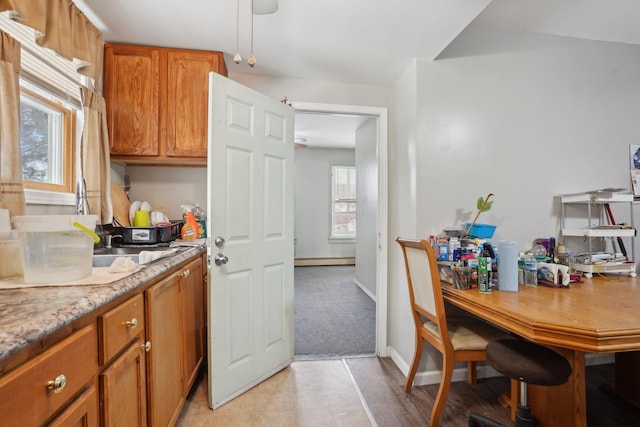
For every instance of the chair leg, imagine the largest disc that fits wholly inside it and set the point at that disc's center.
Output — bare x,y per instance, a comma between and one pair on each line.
443,391
414,364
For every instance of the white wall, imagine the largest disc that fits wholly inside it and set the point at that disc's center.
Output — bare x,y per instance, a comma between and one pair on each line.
312,202
169,187
316,91
523,116
402,213
367,205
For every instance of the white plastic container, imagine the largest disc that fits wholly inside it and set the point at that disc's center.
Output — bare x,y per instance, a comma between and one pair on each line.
53,249
10,260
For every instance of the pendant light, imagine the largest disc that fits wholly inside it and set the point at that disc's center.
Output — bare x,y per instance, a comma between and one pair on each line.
237,58
264,7
252,59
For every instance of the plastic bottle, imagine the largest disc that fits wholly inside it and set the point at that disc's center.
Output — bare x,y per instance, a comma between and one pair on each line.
190,229
198,212
201,218
454,249
530,270
483,274
442,250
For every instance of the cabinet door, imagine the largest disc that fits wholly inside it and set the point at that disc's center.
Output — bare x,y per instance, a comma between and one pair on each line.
132,94
164,369
187,101
49,381
123,389
193,322
82,412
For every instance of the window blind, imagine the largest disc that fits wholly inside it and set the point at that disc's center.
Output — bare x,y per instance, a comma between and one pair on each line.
43,67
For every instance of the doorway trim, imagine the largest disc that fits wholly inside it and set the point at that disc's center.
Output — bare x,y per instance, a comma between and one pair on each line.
380,114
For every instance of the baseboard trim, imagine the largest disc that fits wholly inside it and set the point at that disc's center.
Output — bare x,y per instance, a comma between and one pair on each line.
365,290
305,262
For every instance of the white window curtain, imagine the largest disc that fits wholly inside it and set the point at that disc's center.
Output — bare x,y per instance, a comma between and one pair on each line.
11,188
95,157
60,26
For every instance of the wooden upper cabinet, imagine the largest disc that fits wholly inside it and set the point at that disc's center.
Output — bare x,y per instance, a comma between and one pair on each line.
157,103
132,93
187,100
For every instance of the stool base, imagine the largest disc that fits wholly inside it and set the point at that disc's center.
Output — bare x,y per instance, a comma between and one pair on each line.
523,417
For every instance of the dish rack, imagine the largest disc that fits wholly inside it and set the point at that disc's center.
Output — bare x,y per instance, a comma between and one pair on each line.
151,235
594,262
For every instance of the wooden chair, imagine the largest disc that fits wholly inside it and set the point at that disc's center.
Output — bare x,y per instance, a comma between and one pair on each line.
458,339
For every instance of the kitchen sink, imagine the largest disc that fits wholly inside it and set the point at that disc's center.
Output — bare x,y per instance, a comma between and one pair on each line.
103,257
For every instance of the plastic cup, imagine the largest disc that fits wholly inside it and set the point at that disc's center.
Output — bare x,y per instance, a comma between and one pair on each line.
141,219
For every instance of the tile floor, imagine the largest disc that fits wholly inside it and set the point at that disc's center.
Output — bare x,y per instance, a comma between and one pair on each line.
307,393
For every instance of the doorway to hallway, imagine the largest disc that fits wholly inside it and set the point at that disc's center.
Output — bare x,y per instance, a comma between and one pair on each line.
333,317
376,286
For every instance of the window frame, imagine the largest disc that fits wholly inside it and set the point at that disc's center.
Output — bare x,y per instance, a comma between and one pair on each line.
68,142
333,238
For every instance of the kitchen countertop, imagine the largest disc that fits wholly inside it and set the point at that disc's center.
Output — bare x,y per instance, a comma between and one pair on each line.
29,314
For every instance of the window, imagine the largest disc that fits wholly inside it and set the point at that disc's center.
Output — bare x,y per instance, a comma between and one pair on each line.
343,202
50,118
47,135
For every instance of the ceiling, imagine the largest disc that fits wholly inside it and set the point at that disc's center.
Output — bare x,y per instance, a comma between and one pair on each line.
355,41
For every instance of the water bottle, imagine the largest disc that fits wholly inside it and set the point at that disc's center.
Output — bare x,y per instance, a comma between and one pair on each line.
530,270
454,249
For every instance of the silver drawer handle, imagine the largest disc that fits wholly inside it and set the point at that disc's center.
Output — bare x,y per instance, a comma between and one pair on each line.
58,384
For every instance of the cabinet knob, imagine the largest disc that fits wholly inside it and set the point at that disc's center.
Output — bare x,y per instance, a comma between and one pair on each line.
58,384
146,346
186,273
131,323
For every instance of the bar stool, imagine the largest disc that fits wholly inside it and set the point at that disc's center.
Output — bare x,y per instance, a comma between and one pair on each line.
530,364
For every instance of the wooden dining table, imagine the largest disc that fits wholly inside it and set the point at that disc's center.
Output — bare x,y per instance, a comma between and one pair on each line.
599,315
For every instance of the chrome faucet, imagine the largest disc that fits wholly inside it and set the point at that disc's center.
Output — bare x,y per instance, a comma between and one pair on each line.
82,205
108,238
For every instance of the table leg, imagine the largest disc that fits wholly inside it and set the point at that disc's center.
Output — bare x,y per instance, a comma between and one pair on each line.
627,376
566,404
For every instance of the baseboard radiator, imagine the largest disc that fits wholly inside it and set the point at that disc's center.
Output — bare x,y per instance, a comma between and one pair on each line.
305,262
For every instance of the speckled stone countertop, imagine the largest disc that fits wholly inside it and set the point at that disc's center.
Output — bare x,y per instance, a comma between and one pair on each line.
29,314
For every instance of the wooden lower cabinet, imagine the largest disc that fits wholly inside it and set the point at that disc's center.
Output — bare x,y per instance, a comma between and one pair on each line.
82,412
164,370
193,322
175,329
33,393
132,364
123,389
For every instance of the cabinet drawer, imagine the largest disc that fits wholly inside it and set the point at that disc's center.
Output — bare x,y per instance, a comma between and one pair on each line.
119,327
25,397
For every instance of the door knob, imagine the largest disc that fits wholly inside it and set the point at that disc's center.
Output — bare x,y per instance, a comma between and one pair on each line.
221,259
219,241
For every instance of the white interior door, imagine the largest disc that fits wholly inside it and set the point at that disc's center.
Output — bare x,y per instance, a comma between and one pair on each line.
250,206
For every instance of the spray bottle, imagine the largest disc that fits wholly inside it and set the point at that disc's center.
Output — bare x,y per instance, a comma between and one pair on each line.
190,229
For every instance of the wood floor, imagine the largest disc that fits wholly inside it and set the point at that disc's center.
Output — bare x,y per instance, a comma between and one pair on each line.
369,391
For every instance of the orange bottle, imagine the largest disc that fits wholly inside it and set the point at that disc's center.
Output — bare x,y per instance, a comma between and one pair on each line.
191,228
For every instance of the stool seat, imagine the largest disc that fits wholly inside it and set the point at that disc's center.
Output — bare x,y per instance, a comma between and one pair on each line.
530,363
